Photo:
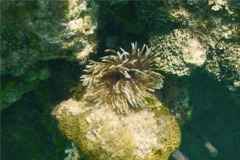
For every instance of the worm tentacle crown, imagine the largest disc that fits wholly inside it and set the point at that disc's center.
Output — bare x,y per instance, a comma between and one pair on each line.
123,80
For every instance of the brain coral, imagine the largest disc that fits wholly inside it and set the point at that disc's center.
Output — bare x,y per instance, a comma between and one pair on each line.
124,79
103,134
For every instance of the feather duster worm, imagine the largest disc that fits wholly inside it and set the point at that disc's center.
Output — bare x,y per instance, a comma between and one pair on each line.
123,80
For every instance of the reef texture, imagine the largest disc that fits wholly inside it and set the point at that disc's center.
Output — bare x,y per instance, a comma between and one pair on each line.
37,31
45,45
206,37
123,80
224,64
203,36
181,52
40,31
101,133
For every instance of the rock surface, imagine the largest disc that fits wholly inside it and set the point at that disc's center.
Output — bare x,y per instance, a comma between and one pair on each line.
102,133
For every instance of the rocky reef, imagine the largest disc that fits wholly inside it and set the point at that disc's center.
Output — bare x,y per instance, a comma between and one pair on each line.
36,32
46,46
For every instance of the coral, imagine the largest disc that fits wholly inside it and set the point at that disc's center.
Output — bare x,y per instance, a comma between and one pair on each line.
73,153
219,4
60,34
45,33
223,63
179,52
201,19
119,82
102,133
208,41
80,32
124,79
33,32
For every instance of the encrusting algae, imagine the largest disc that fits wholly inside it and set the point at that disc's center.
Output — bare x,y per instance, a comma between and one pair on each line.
115,118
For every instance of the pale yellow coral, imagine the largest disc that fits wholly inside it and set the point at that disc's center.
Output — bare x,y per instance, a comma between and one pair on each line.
103,134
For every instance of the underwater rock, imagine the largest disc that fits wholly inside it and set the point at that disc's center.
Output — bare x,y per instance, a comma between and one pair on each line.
217,5
40,31
223,63
179,52
13,89
175,94
201,39
33,32
80,31
101,133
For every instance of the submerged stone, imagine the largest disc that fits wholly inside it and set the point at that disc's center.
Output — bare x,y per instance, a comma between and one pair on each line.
101,133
